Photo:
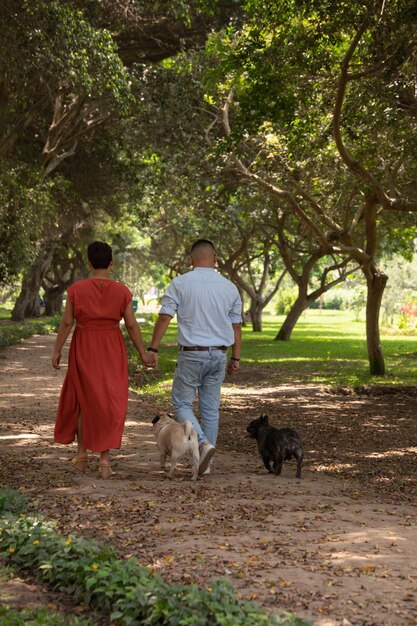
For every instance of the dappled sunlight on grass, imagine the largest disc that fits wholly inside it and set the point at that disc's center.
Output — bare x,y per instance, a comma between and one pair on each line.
282,359
326,347
302,360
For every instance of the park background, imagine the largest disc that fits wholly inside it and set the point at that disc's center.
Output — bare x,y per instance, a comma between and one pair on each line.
285,132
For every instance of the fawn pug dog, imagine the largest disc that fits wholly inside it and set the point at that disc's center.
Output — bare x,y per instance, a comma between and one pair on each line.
276,445
176,440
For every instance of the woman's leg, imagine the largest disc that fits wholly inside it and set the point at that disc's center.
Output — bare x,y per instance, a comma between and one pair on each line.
80,460
81,451
104,456
104,468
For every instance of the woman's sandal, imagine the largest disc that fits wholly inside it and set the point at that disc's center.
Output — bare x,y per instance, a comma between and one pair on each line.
80,462
104,470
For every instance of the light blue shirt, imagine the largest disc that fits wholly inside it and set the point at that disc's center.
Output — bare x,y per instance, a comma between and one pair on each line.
206,305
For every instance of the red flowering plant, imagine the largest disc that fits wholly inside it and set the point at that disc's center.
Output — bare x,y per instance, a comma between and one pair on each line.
408,315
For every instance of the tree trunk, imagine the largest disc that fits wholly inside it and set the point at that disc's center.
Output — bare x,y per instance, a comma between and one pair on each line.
245,317
245,314
376,285
292,318
27,303
255,311
53,300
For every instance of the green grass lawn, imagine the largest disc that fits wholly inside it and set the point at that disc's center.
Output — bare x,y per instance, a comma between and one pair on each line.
327,347
330,347
5,313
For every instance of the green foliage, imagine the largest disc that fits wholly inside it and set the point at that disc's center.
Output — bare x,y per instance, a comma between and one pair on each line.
335,299
73,54
283,66
38,617
408,317
27,205
327,347
61,77
5,313
284,300
15,332
11,501
131,594
400,287
357,301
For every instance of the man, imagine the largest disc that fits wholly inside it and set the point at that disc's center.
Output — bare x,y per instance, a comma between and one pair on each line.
208,309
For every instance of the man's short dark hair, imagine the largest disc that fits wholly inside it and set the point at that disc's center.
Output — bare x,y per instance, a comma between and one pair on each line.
100,255
200,243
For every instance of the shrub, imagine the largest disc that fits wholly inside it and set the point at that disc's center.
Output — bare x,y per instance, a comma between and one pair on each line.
14,333
284,299
357,301
331,301
132,594
408,315
37,617
11,500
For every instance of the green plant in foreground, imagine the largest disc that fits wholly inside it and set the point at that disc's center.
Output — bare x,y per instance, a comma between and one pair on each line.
11,500
38,617
129,592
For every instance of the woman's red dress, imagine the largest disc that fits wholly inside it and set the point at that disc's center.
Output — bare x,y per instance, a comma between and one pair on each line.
96,383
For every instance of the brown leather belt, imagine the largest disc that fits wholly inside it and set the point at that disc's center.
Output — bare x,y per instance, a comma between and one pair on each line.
201,348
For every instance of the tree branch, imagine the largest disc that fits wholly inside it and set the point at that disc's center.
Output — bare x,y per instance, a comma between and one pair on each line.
7,142
282,194
395,204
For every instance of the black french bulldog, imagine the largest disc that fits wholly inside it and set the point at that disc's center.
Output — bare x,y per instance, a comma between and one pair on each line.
276,445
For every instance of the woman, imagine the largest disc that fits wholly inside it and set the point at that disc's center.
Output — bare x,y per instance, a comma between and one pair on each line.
93,400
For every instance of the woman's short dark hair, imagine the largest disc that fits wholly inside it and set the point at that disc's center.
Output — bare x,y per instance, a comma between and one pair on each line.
100,255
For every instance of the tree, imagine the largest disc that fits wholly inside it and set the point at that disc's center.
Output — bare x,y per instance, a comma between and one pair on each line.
72,80
67,70
285,131
207,205
307,263
70,72
70,83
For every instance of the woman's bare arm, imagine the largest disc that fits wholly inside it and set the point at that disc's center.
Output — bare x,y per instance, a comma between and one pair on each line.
63,332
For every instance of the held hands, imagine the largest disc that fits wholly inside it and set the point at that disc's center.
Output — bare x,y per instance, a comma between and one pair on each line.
233,366
150,359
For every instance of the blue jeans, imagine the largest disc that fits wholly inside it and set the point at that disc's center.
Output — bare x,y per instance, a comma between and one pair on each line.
199,373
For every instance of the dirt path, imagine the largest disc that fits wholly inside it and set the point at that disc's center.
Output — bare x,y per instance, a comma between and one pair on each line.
338,547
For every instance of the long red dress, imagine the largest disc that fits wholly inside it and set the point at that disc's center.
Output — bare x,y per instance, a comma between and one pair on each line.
96,383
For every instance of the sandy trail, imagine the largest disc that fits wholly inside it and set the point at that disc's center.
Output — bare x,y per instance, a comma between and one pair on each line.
338,547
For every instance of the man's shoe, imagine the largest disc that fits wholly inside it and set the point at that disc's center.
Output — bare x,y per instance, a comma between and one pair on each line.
206,454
